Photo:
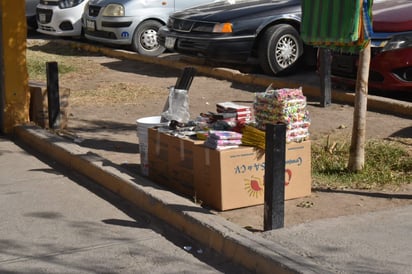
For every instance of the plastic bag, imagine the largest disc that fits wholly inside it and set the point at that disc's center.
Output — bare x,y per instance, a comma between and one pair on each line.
178,109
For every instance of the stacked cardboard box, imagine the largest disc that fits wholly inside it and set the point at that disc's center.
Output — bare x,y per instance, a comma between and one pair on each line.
227,179
171,161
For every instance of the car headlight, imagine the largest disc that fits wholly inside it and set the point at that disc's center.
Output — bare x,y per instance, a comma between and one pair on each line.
213,27
400,41
113,10
223,28
65,4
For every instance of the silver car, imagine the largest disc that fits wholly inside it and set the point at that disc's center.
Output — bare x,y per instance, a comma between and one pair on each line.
31,13
131,22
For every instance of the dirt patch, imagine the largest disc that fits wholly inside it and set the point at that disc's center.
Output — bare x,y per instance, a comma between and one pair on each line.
108,95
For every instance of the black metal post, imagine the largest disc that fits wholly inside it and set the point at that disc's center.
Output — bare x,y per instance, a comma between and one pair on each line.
53,98
275,153
325,77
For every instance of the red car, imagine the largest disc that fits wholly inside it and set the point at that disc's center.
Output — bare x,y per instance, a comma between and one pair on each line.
391,59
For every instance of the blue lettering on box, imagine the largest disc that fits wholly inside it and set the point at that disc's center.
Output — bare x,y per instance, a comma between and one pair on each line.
240,169
298,161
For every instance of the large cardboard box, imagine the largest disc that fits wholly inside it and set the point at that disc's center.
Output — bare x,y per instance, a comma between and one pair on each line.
171,161
234,178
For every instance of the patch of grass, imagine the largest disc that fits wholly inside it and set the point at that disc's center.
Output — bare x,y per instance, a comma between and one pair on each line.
387,163
36,65
115,93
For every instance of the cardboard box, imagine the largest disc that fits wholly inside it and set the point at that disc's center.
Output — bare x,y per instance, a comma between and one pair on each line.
234,178
158,153
39,112
171,161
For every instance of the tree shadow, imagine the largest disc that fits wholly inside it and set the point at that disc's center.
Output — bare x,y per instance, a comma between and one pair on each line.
108,128
367,193
53,46
148,69
403,133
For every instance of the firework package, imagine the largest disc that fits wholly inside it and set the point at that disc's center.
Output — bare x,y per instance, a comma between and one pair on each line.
287,106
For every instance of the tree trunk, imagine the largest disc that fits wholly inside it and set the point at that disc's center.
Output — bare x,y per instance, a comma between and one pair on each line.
357,148
14,83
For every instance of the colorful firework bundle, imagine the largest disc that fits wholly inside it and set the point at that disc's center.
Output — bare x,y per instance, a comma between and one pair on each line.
251,136
222,139
286,106
242,113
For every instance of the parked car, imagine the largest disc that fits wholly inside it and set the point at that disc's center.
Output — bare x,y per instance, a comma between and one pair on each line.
241,31
31,13
60,17
131,22
391,56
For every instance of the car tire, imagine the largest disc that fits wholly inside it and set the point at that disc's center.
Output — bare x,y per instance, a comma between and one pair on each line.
145,39
280,50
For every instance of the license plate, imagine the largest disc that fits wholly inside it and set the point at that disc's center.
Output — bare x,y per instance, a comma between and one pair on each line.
90,25
42,18
170,42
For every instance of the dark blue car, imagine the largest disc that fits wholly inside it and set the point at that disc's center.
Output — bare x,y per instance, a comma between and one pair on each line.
240,31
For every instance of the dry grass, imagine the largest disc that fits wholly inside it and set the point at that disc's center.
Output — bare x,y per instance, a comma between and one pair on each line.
113,94
77,67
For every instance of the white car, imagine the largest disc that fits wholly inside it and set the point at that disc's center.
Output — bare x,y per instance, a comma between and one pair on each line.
60,17
131,22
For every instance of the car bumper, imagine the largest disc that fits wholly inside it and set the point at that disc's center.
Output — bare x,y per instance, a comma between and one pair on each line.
389,71
54,21
116,30
31,22
223,48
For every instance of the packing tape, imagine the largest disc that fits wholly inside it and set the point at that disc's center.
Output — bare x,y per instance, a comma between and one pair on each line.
157,148
207,156
182,150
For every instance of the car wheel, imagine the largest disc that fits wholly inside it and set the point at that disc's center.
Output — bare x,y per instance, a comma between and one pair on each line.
145,39
280,49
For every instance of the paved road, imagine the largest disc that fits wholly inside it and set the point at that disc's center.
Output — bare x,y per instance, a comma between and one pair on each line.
53,221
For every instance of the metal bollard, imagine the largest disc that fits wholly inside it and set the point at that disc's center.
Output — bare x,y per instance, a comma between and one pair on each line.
53,98
275,153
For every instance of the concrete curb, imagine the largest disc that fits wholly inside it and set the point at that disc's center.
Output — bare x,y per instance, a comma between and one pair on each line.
375,103
243,247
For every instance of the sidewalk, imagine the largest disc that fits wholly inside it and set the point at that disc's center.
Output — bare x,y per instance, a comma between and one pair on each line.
55,221
373,243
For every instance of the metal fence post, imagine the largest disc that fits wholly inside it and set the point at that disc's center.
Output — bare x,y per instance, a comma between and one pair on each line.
275,153
325,77
53,98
